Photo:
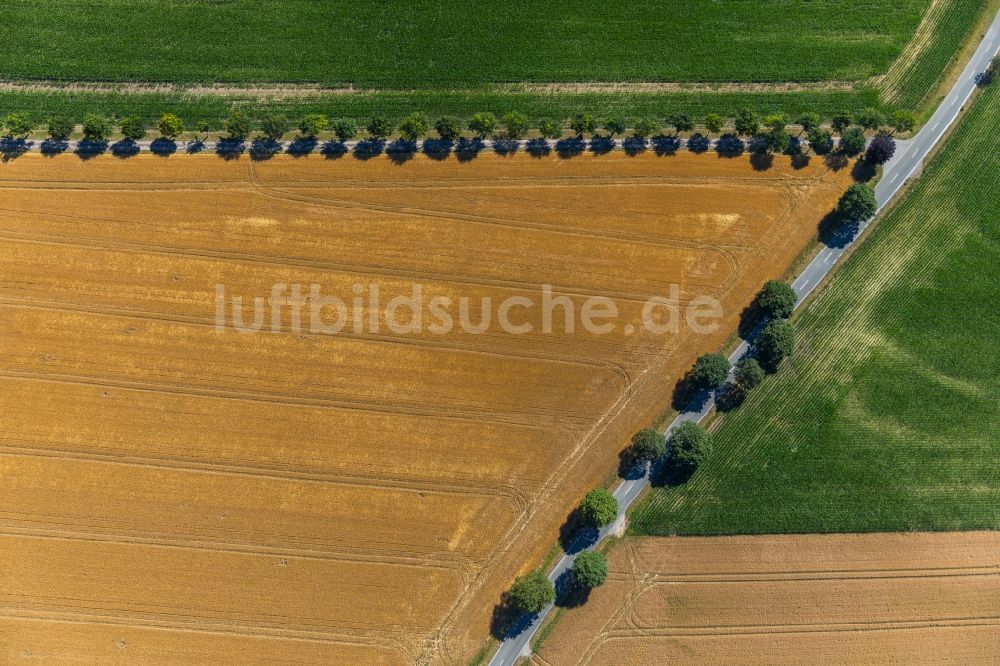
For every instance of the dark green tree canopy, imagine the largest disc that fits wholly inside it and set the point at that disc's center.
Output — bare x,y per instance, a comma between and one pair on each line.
809,121
648,444
550,129
820,141
583,124
903,121
273,126
776,299
169,126
132,128
775,343
237,126
614,125
590,569
746,123
60,127
96,128
379,128
710,371
17,125
449,128
414,126
852,141
858,202
871,119
483,125
312,124
713,123
748,374
345,129
532,593
598,508
842,121
689,444
515,124
681,122
645,127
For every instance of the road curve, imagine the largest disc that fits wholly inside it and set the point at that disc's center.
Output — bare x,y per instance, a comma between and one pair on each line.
909,157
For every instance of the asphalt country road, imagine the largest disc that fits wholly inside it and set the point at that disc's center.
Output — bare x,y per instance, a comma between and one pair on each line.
908,159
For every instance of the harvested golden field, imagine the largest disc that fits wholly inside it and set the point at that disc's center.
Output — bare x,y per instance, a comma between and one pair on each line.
173,489
928,598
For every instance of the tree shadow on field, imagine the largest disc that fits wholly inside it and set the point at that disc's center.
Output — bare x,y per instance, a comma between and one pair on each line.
88,150
687,395
836,231
570,147
366,149
761,161
666,145
538,148
301,146
124,148
634,145
11,148
863,171
800,161
194,147
835,161
729,145
505,147
163,147
504,618
729,397
333,150
602,145
50,147
672,473
751,320
264,149
467,150
568,593
629,467
437,149
698,144
575,534
229,149
401,151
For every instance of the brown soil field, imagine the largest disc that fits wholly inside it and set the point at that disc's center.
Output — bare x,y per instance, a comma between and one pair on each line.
175,491
927,598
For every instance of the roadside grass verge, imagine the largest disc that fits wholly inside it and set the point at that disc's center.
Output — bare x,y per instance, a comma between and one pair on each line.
887,417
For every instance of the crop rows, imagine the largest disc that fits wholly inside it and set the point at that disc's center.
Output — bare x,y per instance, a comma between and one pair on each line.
429,44
887,420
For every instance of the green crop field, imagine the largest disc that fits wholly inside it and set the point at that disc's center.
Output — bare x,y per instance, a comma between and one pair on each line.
445,56
452,43
888,417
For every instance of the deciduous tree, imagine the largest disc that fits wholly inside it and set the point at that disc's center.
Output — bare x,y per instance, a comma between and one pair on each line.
345,129
583,124
96,128
379,128
746,123
858,202
710,371
532,593
713,123
515,124
903,121
776,342
647,445
881,149
689,444
590,569
449,128
312,124
776,300
170,126
414,126
237,126
483,125
132,128
852,141
598,508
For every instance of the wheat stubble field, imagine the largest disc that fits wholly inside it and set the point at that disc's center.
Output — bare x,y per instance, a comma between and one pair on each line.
929,598
174,492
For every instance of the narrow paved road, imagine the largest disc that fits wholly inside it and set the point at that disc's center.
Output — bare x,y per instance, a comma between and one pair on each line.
908,159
